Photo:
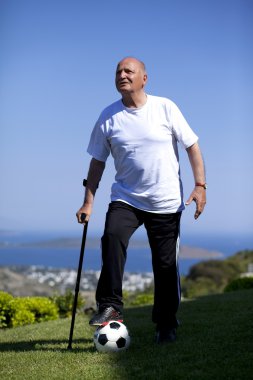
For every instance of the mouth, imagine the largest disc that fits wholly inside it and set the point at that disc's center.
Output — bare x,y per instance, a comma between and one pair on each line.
122,83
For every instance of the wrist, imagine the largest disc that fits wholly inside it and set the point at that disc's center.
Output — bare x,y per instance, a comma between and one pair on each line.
201,184
87,203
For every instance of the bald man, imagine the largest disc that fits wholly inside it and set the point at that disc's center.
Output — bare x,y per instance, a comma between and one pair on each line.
142,133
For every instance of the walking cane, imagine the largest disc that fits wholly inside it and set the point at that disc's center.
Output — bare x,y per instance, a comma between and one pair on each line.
79,272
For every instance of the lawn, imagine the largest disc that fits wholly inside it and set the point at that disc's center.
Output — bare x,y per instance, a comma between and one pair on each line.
215,341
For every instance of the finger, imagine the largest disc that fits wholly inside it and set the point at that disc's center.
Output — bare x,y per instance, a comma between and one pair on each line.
189,201
197,214
79,218
199,208
83,217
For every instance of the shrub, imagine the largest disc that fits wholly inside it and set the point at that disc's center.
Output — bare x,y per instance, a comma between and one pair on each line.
19,314
5,299
199,287
64,303
217,271
26,310
143,299
43,308
239,284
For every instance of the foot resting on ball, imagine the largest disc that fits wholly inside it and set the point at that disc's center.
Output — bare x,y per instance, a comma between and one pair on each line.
105,315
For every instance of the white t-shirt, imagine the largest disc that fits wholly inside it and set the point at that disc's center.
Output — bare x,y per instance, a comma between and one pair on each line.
143,143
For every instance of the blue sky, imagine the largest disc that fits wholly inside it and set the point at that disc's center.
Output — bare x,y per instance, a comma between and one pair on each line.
57,66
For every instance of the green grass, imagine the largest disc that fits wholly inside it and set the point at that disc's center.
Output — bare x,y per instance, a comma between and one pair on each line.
215,341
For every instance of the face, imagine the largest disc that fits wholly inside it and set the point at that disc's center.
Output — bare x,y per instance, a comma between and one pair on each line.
130,76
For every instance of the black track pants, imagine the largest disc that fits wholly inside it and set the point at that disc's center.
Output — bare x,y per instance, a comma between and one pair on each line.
122,220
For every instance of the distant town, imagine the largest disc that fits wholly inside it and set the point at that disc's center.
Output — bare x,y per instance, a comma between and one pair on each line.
64,279
44,281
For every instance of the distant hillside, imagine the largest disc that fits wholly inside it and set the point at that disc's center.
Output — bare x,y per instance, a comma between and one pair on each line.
94,243
16,283
211,276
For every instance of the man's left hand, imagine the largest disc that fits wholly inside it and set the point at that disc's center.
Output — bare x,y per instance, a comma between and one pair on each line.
198,195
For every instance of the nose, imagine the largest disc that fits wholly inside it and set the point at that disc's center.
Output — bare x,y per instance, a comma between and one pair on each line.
121,74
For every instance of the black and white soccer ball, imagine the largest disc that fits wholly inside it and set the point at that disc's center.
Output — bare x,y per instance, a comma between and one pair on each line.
112,337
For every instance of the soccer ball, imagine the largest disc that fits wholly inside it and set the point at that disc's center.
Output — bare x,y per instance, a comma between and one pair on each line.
112,337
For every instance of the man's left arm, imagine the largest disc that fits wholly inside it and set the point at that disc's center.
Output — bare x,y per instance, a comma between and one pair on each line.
198,194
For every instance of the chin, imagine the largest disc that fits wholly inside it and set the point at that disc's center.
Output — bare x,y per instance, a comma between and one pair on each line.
123,90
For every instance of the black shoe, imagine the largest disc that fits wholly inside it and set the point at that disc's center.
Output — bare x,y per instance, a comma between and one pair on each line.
105,316
165,335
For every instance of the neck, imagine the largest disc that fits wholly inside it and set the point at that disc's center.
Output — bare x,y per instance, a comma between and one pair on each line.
134,100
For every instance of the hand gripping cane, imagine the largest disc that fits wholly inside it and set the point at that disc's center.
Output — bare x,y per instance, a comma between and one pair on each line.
79,272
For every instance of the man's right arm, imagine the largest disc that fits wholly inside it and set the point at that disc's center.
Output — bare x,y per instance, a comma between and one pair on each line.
95,173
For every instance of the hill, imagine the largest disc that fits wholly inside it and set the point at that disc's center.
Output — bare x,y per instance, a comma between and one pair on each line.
93,242
215,341
212,276
14,281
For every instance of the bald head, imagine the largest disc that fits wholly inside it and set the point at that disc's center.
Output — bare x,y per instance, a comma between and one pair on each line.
133,61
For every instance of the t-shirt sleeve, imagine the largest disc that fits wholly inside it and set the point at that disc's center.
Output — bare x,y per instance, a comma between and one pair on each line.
181,129
99,147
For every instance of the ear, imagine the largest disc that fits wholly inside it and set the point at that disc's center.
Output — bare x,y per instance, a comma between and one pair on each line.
145,78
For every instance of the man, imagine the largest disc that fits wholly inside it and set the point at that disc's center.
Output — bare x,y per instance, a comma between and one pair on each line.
141,132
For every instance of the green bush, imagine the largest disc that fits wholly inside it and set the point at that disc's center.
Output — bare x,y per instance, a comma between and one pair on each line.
64,303
43,308
21,311
239,284
197,288
219,272
143,299
5,299
19,314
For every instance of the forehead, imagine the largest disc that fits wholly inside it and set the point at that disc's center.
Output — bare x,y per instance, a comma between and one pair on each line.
131,64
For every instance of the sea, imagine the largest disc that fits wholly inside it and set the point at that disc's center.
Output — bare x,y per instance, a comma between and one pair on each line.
21,249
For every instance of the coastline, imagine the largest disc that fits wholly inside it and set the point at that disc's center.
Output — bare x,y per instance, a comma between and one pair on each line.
185,251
